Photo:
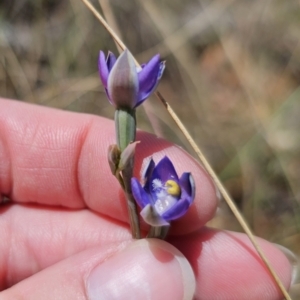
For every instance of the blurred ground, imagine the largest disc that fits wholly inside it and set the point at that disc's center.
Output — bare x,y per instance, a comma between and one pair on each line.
233,77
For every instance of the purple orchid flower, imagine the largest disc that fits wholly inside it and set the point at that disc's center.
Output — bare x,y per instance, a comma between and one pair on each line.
126,85
164,197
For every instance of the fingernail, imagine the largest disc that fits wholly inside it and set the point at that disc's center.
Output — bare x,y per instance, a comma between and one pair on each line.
294,261
218,194
147,269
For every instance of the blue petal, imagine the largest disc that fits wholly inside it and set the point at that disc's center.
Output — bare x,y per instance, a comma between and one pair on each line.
149,77
162,67
148,74
103,69
108,97
147,175
122,83
144,94
140,196
110,61
177,210
187,185
164,171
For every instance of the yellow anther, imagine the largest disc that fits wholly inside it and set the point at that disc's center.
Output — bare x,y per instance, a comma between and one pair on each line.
173,188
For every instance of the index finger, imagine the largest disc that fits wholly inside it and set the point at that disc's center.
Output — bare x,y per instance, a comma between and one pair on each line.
59,158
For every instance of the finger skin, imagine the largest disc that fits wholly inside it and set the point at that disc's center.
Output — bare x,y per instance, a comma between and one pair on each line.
34,238
64,280
225,264
52,157
145,269
55,158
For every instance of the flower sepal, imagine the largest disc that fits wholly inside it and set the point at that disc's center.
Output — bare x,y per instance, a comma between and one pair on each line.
152,217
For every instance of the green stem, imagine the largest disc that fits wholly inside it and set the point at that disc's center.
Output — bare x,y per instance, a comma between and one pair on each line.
159,232
125,123
131,204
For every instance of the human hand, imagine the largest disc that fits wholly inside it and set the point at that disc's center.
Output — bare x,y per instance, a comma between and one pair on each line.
65,234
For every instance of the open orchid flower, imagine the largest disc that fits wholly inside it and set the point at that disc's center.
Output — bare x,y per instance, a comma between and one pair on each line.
126,85
164,197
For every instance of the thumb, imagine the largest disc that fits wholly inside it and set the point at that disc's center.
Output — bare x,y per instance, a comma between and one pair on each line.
146,269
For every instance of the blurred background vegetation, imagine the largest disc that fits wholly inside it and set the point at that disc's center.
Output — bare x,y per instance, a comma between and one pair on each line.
233,77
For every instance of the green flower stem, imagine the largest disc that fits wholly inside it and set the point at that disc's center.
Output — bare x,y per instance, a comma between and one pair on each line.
159,232
131,205
125,123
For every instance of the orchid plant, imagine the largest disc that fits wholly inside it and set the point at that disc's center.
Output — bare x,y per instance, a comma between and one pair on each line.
164,196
